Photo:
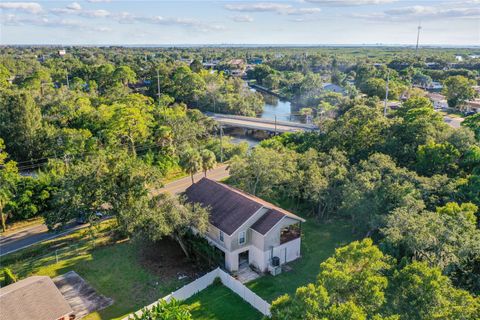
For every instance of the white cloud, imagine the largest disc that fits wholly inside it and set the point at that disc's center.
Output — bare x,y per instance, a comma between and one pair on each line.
74,6
75,9
347,3
433,12
422,12
30,7
42,21
280,8
245,18
184,22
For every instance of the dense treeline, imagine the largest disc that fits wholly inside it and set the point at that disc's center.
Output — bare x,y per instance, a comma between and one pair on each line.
408,180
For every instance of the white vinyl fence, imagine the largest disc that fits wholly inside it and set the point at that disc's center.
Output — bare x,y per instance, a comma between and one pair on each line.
202,283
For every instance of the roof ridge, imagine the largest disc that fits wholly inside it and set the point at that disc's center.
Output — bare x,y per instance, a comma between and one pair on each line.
256,199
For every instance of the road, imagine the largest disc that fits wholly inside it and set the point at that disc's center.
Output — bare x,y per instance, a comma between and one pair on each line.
454,122
32,235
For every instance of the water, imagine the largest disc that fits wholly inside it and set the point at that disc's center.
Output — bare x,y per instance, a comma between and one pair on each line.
274,107
282,109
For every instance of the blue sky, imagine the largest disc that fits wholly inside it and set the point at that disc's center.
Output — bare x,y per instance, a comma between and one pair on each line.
451,22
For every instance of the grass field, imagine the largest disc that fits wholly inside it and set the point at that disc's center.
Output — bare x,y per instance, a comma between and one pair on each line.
113,269
217,302
318,243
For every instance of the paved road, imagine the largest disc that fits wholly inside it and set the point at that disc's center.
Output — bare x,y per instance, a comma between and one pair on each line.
29,236
182,184
453,121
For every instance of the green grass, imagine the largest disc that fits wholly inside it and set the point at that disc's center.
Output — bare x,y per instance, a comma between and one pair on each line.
318,243
217,302
112,269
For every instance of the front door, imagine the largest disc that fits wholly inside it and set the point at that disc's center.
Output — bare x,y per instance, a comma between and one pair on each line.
243,259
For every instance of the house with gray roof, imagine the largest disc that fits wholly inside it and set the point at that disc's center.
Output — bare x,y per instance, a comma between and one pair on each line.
36,298
248,230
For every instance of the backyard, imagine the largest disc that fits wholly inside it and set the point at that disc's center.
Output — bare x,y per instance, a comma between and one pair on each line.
114,268
218,302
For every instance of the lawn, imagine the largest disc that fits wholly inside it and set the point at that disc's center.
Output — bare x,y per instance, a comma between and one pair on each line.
318,243
113,269
217,302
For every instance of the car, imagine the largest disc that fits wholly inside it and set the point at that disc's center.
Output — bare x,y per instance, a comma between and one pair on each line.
85,218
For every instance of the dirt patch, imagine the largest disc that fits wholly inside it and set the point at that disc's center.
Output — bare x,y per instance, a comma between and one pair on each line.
166,259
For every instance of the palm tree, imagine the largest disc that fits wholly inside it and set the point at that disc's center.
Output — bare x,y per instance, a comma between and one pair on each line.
208,160
191,162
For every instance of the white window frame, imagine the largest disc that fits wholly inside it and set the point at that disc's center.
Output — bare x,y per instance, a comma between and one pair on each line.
244,237
221,236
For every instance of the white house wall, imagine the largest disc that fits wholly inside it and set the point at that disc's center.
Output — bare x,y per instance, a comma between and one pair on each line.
292,249
272,238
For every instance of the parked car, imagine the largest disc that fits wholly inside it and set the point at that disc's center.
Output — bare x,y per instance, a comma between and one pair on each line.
85,218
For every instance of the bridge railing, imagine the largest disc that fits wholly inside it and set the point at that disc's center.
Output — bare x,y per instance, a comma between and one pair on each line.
263,120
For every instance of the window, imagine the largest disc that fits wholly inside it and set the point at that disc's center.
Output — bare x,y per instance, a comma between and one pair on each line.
221,236
242,237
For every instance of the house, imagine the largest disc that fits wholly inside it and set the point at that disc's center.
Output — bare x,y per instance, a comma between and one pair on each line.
472,106
62,52
333,88
237,67
36,298
439,101
248,230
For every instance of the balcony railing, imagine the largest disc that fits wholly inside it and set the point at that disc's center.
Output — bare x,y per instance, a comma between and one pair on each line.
290,233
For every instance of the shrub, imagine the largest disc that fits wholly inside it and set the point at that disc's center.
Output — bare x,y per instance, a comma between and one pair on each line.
8,277
164,310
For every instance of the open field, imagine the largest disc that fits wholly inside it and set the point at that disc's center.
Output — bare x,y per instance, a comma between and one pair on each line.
217,302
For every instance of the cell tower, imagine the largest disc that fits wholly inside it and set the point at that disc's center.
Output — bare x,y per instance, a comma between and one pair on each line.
418,38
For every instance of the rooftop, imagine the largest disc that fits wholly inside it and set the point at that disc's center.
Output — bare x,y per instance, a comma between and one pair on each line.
35,297
230,208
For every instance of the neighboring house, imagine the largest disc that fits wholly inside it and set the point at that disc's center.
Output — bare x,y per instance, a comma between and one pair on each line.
472,106
439,101
247,229
237,67
62,52
333,88
36,298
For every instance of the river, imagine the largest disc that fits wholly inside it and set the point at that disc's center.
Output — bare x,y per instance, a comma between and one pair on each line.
282,109
273,107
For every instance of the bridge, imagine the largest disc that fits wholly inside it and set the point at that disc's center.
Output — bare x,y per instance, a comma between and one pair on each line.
261,124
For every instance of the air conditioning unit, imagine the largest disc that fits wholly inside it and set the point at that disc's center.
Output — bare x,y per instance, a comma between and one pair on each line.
274,271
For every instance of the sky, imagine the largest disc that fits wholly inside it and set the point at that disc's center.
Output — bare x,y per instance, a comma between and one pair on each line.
122,22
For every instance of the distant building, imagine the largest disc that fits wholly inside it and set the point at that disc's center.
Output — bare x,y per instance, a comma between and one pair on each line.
186,60
210,64
472,106
439,101
62,52
333,88
255,61
237,67
36,298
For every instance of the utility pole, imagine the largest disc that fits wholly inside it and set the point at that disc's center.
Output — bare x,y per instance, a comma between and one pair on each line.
158,87
386,94
275,124
418,38
221,144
